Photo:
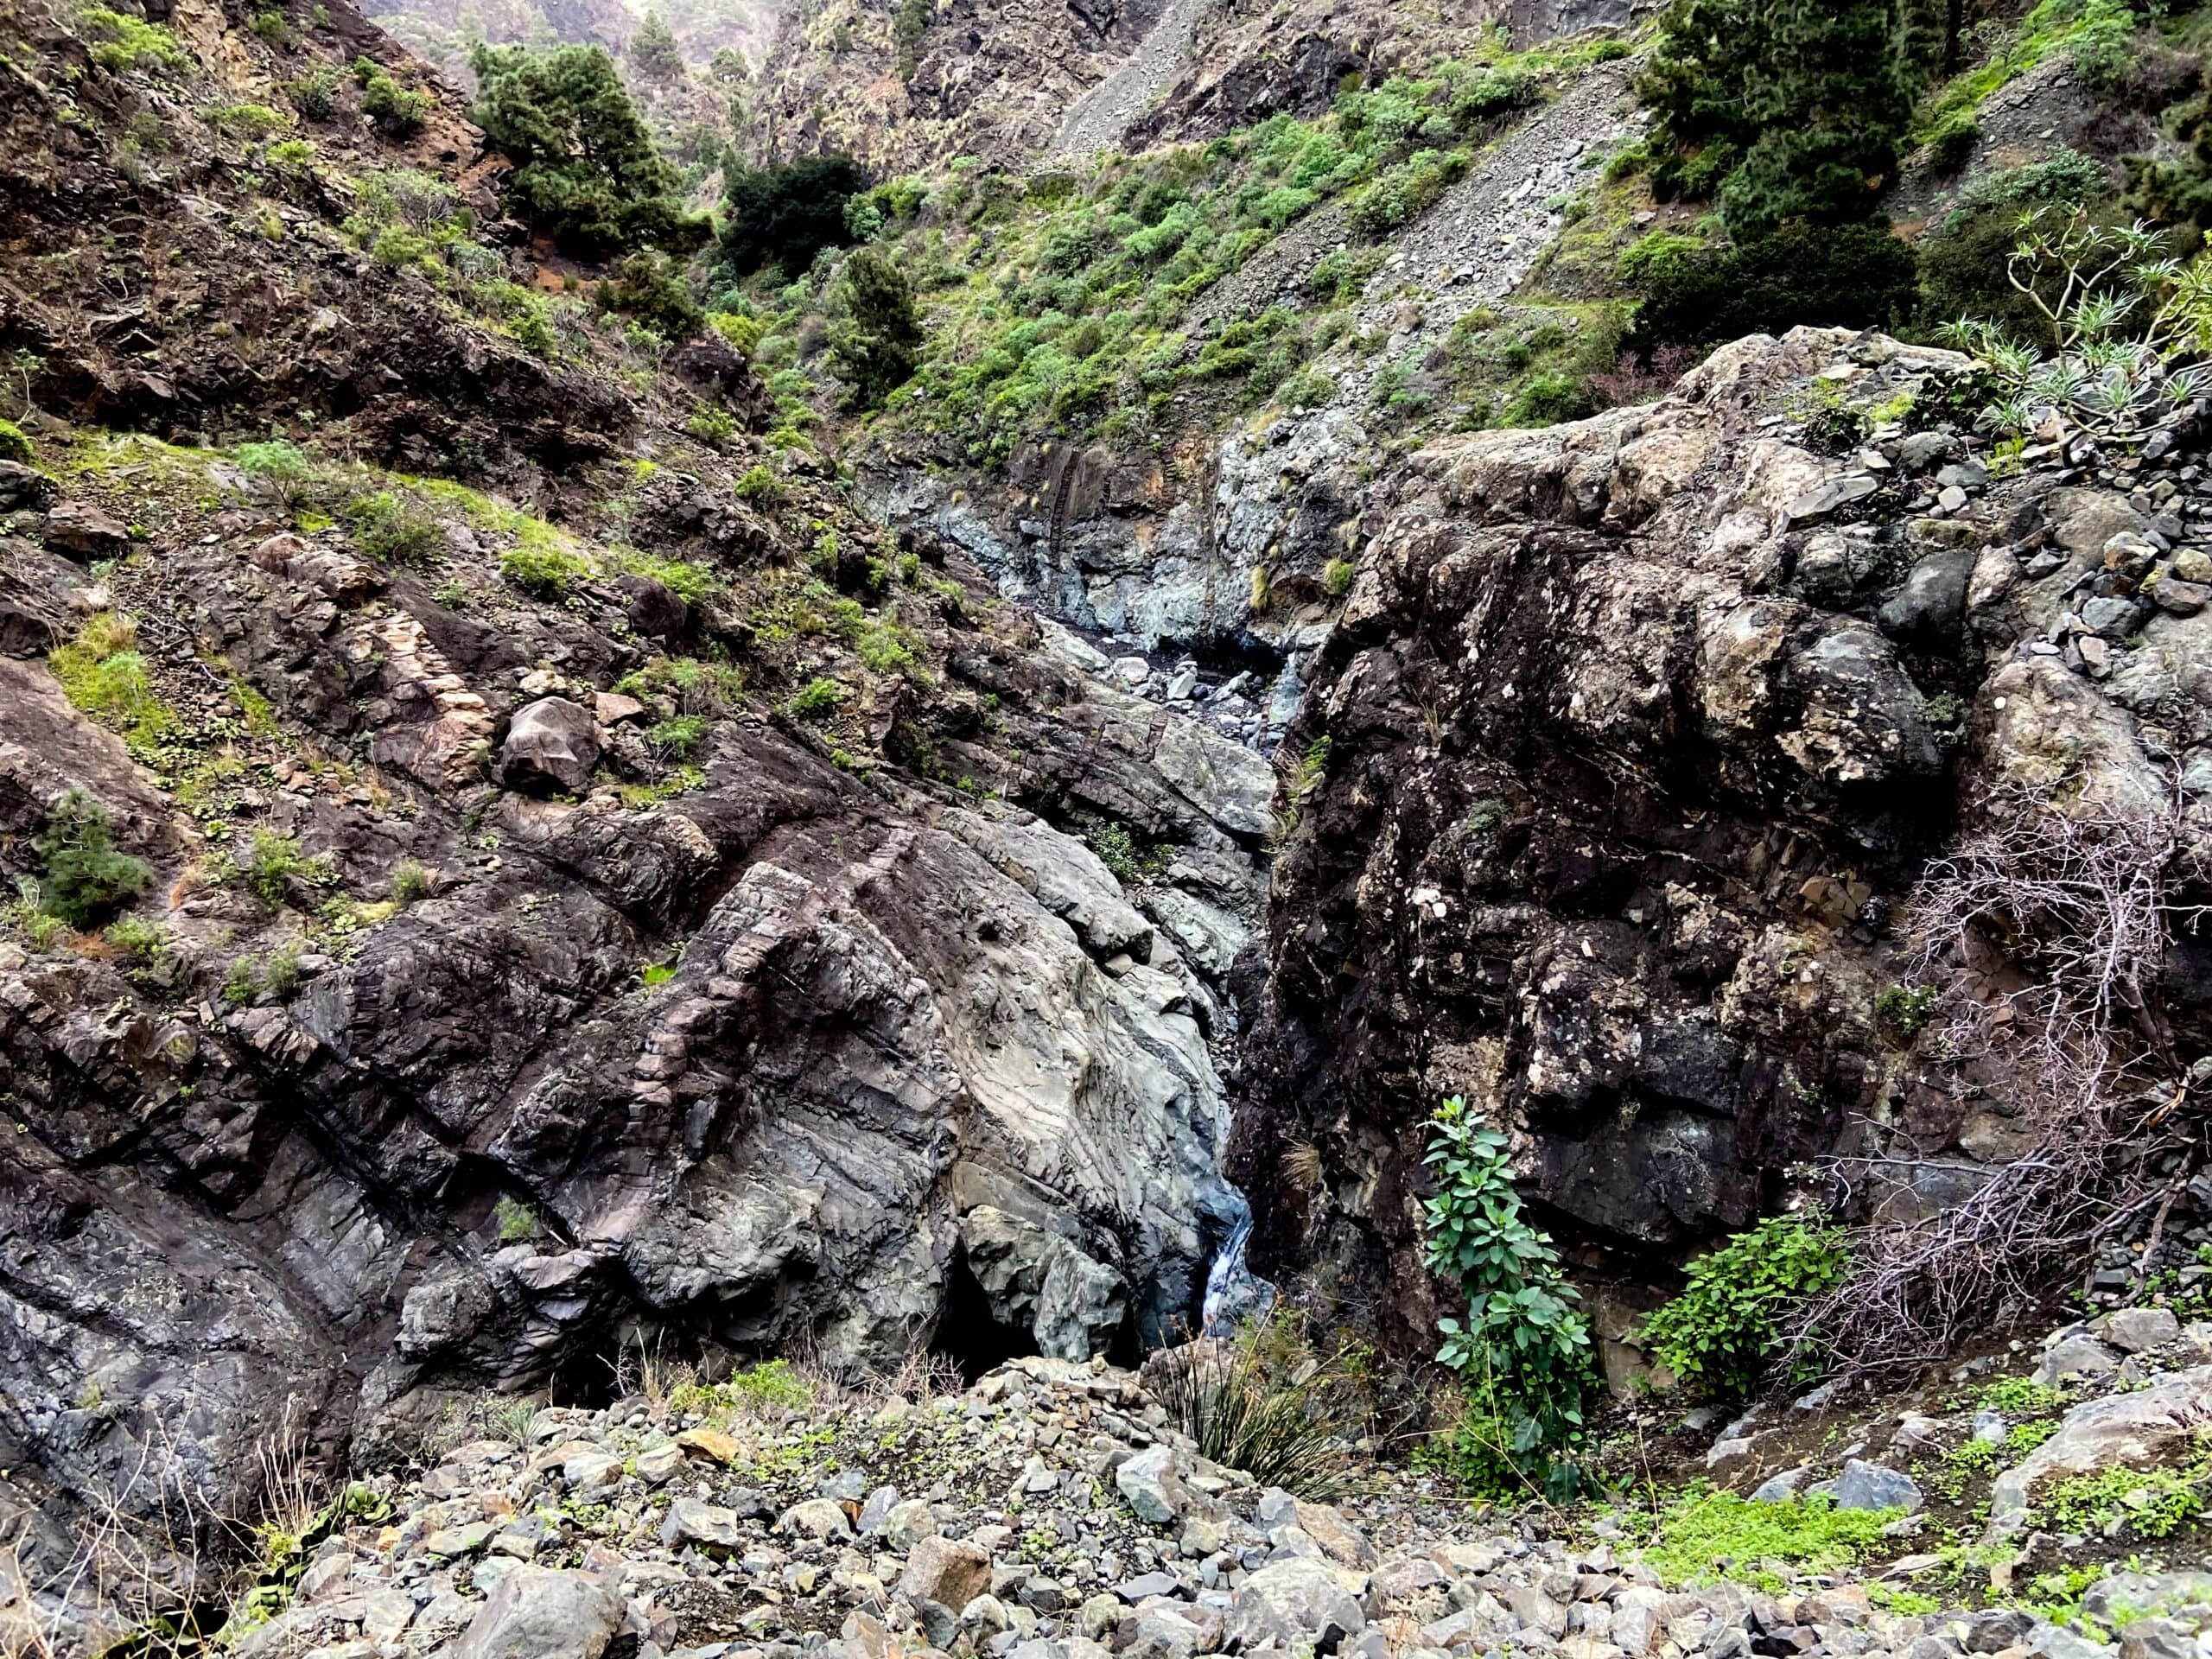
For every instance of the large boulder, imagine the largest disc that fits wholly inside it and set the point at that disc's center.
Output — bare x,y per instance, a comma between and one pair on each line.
1294,1603
552,744
2154,1426
538,1612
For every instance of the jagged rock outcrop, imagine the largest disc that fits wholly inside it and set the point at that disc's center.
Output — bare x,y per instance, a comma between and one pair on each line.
1631,736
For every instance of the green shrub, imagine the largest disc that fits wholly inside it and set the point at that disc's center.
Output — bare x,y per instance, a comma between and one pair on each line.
410,881
758,483
291,153
274,862
14,446
123,42
395,249
711,425
512,1220
819,696
1263,1402
1337,577
392,526
1952,146
1548,398
743,333
767,1388
1852,276
315,94
1906,1009
689,583
282,470
907,27
786,214
674,739
144,945
1523,1347
83,875
878,339
585,169
1727,1327
543,569
398,111
247,120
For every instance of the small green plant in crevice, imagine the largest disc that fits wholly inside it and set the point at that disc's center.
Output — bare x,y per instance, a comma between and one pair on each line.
1727,1327
1267,1403
1906,1009
276,976
513,1222
1337,577
84,876
543,569
1130,861
411,881
1523,1347
819,696
1706,1536
144,945
275,864
393,527
14,446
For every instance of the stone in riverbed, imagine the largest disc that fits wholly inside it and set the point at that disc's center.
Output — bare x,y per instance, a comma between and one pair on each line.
543,1613
1151,1486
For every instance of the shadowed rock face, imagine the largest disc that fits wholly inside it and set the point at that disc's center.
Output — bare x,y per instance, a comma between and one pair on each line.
1624,749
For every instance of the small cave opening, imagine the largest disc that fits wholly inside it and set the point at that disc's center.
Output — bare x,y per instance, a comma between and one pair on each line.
968,1333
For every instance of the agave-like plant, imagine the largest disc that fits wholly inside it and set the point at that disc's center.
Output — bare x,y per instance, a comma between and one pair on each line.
2132,328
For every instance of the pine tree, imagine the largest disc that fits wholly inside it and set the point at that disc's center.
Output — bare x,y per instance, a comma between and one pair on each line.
1829,91
879,341
1695,86
1787,109
654,53
586,171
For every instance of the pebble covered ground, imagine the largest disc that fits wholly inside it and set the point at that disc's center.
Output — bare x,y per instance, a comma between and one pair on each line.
1049,1511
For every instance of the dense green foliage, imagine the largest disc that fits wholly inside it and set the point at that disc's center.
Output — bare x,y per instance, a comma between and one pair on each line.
653,54
787,213
586,171
83,875
1523,1346
1729,1325
1786,110
878,339
1852,276
1266,1403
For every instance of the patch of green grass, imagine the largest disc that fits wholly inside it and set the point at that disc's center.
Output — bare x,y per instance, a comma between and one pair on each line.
542,569
690,582
104,674
2148,1503
771,1387
122,43
1707,1537
14,446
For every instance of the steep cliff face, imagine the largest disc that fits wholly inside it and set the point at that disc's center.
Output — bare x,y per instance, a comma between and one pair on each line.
1631,738
590,903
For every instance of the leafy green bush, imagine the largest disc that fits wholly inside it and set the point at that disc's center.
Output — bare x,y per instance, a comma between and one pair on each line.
102,672
907,27
315,94
543,569
512,1220
1851,275
1727,1328
819,696
410,881
787,213
1523,1346
291,153
123,42
711,425
83,875
1907,1009
1952,146
247,120
393,527
399,111
274,862
1548,398
585,169
765,1390
878,340
280,469
14,446
1337,577
758,483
